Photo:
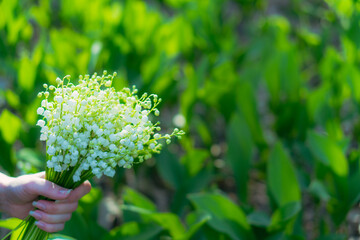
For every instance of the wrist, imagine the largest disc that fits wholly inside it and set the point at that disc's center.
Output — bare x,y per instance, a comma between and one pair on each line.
4,184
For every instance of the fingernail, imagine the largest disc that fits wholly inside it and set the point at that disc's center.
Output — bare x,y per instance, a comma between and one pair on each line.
39,224
35,215
65,192
39,205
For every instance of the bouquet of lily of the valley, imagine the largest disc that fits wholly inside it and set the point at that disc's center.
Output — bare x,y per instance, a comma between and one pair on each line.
90,129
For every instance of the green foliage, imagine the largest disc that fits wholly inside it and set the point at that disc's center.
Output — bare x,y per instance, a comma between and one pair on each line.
270,103
14,225
10,223
240,153
281,178
10,126
226,217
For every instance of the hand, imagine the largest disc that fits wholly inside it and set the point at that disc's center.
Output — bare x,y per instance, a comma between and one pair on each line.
18,198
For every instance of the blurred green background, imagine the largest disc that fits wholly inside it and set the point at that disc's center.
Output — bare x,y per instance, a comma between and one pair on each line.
268,92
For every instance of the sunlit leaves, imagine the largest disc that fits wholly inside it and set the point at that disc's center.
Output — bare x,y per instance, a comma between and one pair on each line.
242,80
132,197
175,37
13,224
344,7
12,98
140,24
66,43
329,153
194,160
10,126
10,223
27,73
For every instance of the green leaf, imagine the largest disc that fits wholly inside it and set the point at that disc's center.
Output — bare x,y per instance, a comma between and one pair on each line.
190,185
195,220
344,8
130,196
10,126
284,214
247,105
170,169
194,160
95,230
135,231
226,217
272,77
90,200
77,227
259,219
170,222
93,197
12,99
27,73
177,3
333,236
139,23
7,156
239,154
14,224
352,76
281,177
319,190
175,36
203,130
329,153
57,236
28,155
167,221
30,115
309,37
317,104
10,223
194,81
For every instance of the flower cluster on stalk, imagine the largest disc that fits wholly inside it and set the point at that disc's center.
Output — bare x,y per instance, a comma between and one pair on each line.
92,128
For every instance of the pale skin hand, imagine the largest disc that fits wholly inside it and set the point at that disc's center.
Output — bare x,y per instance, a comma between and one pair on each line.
19,197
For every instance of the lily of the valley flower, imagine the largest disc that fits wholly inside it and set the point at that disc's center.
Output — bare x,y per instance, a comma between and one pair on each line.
90,128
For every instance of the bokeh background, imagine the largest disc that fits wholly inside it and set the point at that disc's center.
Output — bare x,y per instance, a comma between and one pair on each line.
268,92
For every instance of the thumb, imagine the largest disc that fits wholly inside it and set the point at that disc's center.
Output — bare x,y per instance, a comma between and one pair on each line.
39,186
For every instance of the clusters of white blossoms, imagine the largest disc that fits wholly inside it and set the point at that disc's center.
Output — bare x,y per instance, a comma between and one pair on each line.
90,128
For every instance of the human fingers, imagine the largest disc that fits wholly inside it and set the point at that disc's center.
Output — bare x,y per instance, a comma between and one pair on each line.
50,218
39,174
39,186
50,227
77,193
54,207
19,211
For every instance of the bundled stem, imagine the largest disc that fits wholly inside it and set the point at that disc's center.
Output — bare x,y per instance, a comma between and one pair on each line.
64,179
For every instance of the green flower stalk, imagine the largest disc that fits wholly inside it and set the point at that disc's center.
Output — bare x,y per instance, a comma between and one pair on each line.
90,128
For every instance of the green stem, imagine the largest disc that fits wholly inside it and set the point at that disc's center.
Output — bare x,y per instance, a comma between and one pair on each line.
32,232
